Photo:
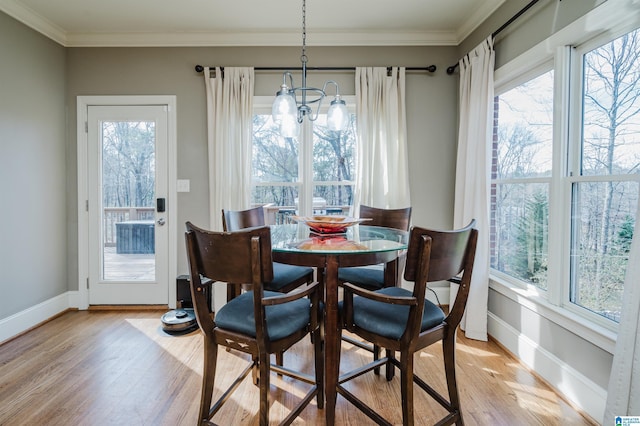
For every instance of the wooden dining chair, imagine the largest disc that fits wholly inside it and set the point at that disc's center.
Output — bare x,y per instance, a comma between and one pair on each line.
402,320
257,322
285,277
372,277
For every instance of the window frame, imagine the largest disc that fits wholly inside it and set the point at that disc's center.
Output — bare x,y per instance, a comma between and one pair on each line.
305,182
566,60
533,73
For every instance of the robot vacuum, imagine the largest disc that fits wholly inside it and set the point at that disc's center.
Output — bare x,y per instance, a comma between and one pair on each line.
179,321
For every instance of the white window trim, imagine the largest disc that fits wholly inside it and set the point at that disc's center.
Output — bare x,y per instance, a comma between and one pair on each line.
622,16
600,336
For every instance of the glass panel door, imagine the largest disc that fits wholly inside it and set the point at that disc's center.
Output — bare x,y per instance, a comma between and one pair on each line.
127,181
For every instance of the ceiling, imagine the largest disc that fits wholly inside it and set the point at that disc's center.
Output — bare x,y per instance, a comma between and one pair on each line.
251,22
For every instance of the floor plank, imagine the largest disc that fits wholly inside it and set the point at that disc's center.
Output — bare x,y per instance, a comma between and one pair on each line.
120,368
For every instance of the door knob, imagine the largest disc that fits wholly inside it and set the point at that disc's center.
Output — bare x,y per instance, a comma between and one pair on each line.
160,221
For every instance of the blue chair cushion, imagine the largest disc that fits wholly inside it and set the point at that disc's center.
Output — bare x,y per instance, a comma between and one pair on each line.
282,320
371,277
284,274
390,320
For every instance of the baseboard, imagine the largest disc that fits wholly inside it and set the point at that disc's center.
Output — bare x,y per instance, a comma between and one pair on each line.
29,318
579,391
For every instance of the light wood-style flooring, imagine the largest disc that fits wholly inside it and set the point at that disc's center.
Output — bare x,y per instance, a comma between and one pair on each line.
120,368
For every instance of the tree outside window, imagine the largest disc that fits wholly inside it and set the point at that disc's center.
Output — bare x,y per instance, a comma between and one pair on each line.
319,162
522,153
605,197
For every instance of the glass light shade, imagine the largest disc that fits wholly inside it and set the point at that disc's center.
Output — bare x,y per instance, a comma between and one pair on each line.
289,126
284,106
338,115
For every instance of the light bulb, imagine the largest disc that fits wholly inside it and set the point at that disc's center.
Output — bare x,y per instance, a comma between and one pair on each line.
338,115
283,106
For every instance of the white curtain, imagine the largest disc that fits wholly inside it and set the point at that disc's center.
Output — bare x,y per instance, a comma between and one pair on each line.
623,398
382,169
229,133
473,169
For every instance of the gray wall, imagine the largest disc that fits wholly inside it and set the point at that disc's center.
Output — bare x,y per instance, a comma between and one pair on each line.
543,19
431,106
33,168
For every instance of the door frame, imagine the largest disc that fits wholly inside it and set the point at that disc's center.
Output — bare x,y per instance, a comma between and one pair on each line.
83,103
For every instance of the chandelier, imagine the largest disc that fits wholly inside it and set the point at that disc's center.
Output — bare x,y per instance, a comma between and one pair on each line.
293,104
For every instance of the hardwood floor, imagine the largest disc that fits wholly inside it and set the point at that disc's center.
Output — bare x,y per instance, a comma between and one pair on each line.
120,368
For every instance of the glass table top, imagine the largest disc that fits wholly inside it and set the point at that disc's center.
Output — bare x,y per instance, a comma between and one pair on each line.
357,239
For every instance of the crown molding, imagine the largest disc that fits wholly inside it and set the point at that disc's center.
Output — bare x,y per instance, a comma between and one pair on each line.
33,20
481,14
227,39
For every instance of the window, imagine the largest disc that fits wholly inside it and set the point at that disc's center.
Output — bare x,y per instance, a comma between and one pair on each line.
313,173
605,184
522,158
565,176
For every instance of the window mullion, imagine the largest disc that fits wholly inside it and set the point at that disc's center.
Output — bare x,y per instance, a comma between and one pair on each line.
559,192
306,168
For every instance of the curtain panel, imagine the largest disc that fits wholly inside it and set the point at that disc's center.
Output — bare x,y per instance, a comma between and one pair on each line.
623,396
382,162
229,138
473,176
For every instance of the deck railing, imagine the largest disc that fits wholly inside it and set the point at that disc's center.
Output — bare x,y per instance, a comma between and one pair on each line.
273,215
113,215
278,215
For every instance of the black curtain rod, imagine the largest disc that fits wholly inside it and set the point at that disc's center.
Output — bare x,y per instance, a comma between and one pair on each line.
430,68
452,68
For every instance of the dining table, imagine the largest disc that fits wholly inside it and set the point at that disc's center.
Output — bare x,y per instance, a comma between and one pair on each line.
357,245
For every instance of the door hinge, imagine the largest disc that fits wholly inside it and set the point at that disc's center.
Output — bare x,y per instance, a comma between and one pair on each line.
86,205
86,127
87,283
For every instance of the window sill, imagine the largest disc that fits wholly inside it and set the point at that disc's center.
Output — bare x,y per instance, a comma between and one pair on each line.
597,335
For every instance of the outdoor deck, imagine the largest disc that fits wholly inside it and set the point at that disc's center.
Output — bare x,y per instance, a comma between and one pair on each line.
127,267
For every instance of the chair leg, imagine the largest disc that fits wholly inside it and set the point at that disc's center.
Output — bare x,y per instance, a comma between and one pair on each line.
255,373
449,353
319,366
208,377
406,386
376,356
390,369
279,359
263,361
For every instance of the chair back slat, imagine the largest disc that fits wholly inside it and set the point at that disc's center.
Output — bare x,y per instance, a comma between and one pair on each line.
234,220
388,218
226,256
448,253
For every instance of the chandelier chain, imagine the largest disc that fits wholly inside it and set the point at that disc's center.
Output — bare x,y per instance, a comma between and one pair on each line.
288,111
303,58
